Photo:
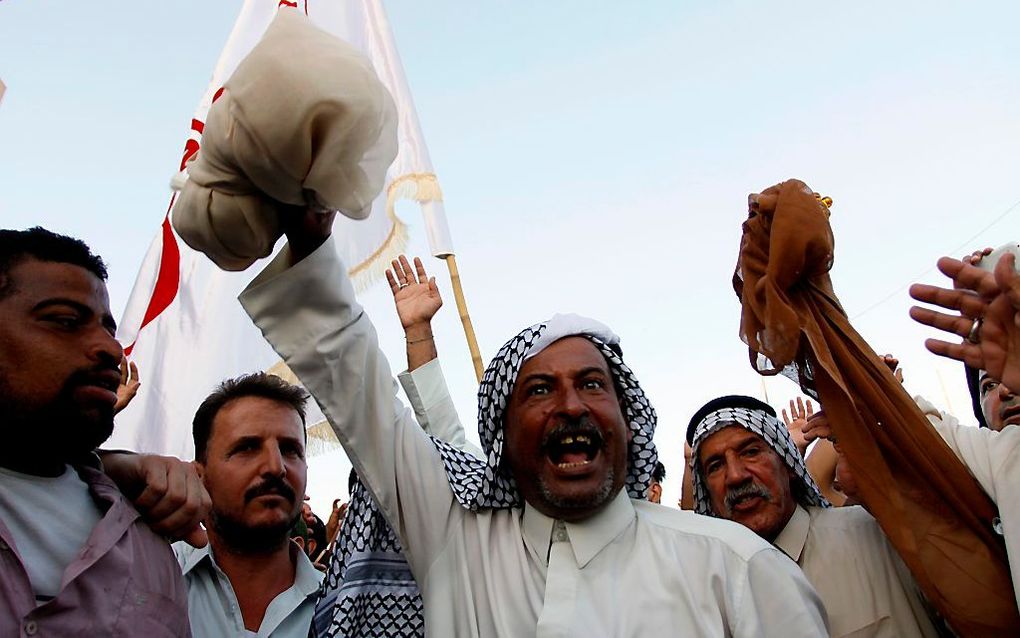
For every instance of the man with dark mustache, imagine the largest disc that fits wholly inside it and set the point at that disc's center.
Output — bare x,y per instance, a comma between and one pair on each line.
747,469
250,450
75,556
550,534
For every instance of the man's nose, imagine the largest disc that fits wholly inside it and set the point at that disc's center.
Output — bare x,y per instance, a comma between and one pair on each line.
104,348
1005,393
571,403
736,473
272,462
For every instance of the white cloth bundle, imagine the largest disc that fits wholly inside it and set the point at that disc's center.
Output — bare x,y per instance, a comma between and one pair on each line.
304,120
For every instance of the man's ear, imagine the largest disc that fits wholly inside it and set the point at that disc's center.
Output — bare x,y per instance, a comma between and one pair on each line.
311,547
199,469
655,493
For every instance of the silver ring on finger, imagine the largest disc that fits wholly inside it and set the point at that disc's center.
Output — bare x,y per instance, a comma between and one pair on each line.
403,285
974,335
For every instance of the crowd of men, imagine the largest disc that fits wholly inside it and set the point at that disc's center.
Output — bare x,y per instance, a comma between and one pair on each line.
553,528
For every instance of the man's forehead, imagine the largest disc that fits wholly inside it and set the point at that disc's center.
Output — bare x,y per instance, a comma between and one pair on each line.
34,280
566,354
257,416
727,437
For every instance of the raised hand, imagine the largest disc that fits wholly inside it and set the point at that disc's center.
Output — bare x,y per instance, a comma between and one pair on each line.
975,257
817,427
129,384
795,421
893,364
988,319
415,294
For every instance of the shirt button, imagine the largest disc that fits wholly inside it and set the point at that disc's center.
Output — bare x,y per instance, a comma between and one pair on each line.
31,627
997,525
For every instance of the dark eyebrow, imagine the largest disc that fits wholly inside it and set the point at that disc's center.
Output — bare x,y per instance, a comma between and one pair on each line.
108,322
586,371
537,376
244,440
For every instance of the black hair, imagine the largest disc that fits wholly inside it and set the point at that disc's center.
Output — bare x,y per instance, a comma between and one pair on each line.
729,401
352,480
258,384
659,473
973,376
41,244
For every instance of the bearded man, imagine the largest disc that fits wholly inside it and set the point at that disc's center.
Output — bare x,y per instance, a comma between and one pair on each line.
549,535
76,557
250,450
747,469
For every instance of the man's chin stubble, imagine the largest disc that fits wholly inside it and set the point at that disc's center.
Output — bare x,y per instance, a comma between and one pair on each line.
590,501
251,539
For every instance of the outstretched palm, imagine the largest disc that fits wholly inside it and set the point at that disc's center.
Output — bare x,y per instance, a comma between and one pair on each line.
989,301
415,294
795,421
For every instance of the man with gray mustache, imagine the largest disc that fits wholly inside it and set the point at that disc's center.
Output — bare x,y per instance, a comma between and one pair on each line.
747,469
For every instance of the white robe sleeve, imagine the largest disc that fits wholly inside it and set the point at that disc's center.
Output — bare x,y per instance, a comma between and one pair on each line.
430,399
309,314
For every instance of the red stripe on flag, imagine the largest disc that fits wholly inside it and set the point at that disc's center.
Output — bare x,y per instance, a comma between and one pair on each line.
217,94
198,126
287,3
167,281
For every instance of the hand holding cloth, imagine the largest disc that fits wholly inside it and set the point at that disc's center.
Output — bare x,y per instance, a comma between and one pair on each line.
933,511
303,121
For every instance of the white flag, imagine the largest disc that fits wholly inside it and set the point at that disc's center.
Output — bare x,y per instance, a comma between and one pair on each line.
183,325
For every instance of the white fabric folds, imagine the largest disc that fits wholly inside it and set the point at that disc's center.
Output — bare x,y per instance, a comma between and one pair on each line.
304,120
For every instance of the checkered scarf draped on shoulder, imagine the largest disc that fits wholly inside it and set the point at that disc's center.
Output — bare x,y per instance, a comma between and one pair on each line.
488,484
776,436
369,589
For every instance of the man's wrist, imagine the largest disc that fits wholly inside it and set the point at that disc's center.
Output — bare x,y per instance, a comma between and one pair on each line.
124,469
418,332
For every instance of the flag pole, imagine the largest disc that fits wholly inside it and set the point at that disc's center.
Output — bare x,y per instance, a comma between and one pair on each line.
465,318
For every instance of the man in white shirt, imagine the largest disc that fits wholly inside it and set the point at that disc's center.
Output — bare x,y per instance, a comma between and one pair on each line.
541,538
251,580
746,468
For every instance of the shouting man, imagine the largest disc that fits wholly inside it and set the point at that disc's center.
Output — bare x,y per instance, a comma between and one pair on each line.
550,534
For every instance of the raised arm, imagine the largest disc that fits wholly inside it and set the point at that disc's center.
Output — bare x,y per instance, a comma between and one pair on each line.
417,299
305,306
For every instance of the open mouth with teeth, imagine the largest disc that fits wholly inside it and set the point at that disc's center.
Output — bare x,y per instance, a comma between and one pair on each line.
570,450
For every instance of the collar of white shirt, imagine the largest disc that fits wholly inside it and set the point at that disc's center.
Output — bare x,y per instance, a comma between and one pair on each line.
588,537
306,577
794,536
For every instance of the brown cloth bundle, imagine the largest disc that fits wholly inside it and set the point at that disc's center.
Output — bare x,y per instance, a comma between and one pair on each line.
933,511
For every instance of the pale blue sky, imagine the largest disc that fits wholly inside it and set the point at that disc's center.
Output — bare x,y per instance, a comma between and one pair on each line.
595,157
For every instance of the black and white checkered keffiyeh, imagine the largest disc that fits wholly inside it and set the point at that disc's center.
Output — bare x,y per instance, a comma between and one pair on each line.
768,427
369,590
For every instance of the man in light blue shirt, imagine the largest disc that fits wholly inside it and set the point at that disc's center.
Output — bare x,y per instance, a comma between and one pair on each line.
251,580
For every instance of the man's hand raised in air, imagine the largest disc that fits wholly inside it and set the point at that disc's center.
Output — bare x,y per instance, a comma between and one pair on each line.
417,299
